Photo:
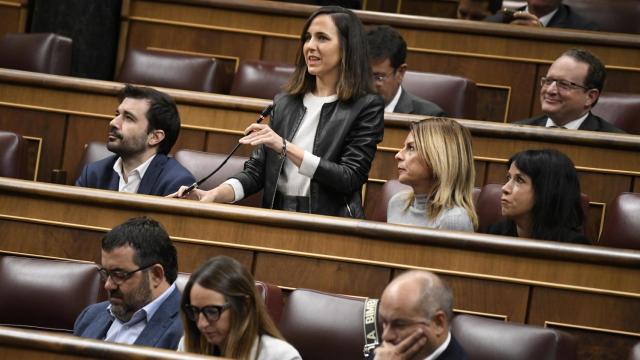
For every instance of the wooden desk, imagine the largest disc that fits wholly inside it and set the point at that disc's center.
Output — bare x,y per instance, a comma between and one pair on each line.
62,114
31,344
505,61
577,288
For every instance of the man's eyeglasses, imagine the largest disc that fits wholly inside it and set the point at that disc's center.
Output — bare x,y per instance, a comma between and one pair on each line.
210,312
381,77
118,277
563,85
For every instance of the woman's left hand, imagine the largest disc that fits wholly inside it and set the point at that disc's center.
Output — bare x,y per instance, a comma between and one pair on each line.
262,134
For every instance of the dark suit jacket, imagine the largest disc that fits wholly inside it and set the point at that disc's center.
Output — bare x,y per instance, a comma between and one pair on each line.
591,123
453,352
564,18
163,177
164,330
411,104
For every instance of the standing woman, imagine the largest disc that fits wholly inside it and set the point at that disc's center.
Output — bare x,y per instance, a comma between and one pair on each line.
437,162
223,315
541,198
316,153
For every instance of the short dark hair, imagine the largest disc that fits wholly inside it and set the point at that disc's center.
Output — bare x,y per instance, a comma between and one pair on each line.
150,242
557,207
385,42
596,75
162,114
355,78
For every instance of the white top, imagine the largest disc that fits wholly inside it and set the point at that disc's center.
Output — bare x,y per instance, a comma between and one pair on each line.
127,333
132,183
391,107
296,181
270,349
544,20
455,218
573,125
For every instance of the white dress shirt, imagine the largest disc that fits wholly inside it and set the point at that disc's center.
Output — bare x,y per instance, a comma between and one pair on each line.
391,107
132,183
573,125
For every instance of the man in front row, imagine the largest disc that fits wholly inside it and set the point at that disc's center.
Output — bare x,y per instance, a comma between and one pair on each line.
416,310
569,91
141,135
139,267
388,53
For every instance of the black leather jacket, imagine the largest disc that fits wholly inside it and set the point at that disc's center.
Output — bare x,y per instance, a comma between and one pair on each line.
346,140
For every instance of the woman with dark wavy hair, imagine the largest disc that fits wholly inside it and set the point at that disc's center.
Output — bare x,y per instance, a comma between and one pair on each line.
316,152
541,198
223,315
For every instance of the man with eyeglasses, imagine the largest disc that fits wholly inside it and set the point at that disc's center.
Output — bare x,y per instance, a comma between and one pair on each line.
416,310
569,91
139,267
387,54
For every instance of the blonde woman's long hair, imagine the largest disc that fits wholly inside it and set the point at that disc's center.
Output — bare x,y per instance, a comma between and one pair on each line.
249,316
445,146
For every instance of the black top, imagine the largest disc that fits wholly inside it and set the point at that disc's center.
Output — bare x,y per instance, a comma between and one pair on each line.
508,228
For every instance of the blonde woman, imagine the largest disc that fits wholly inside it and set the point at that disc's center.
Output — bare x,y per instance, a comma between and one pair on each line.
437,162
223,315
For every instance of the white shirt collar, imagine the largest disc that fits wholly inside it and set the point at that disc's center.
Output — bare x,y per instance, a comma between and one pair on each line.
544,20
573,125
392,105
141,169
437,352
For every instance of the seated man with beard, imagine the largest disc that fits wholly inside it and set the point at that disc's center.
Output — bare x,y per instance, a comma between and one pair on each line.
139,267
141,135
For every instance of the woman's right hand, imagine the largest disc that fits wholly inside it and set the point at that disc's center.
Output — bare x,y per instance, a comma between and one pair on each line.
195,194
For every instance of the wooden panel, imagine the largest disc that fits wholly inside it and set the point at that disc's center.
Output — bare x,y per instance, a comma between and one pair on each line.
384,165
12,16
593,222
519,76
41,124
492,297
492,103
80,132
446,9
636,184
591,311
603,187
191,255
279,50
481,172
143,35
223,143
333,276
61,241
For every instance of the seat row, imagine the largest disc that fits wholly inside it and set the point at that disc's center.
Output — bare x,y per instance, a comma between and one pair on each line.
51,53
620,228
48,294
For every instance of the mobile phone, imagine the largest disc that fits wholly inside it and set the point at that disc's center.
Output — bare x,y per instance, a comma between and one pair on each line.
507,15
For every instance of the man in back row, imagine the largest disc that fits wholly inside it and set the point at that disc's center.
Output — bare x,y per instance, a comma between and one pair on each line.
546,13
139,269
388,52
569,91
142,133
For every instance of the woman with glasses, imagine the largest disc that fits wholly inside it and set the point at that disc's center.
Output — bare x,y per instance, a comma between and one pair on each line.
437,162
316,152
223,315
541,198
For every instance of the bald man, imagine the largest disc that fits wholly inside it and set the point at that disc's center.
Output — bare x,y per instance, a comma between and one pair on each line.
416,310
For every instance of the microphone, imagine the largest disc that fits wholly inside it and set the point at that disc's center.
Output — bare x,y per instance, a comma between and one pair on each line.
266,112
